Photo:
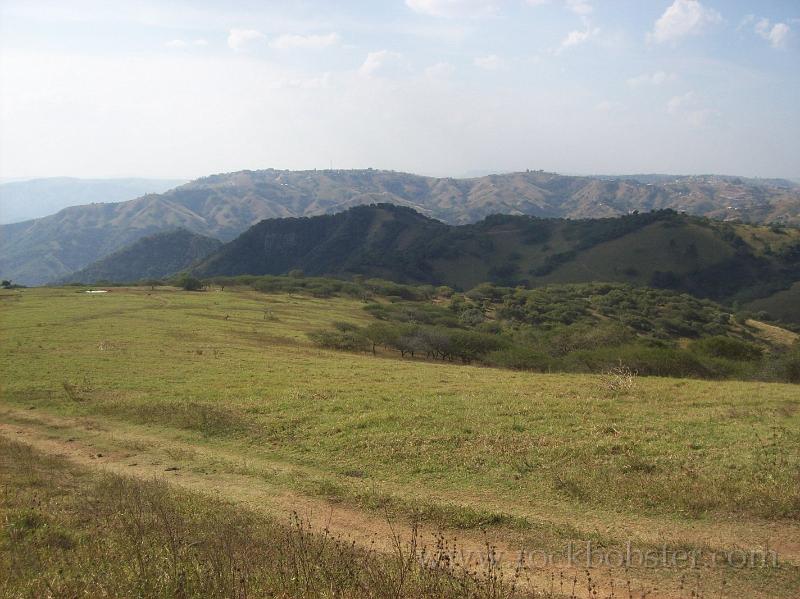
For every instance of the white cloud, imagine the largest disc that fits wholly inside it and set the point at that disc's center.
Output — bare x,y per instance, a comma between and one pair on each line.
655,79
289,41
238,39
609,107
682,18
690,108
678,103
306,82
579,7
383,63
745,22
776,34
440,70
179,43
454,8
576,38
490,62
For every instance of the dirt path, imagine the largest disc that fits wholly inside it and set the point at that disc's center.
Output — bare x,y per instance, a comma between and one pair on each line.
98,446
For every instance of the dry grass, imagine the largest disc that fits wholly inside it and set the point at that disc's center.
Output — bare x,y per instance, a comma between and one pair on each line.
545,458
619,380
70,533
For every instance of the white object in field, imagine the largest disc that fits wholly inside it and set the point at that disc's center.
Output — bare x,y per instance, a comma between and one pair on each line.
96,291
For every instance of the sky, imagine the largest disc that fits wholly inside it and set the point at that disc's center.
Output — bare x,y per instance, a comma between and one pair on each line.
105,88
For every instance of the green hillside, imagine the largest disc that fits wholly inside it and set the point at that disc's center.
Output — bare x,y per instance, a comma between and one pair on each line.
225,205
151,257
662,249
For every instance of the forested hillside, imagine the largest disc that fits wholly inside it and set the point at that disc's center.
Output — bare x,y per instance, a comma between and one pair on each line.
151,257
225,205
726,262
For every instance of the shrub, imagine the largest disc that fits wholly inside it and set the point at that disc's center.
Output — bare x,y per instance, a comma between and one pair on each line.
190,283
565,339
381,333
519,358
727,347
619,380
469,345
647,361
471,317
789,366
341,340
444,291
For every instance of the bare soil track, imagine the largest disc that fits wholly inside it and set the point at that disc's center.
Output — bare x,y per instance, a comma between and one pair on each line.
105,447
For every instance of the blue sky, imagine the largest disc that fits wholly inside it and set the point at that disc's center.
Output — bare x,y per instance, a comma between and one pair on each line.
184,89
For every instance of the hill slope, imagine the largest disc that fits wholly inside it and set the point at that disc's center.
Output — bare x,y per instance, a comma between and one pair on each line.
664,249
35,198
223,206
151,257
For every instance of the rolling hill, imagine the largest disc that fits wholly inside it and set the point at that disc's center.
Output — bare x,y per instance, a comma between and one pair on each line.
35,198
150,257
223,206
722,261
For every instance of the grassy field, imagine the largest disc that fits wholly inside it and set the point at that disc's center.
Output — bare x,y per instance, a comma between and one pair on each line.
222,394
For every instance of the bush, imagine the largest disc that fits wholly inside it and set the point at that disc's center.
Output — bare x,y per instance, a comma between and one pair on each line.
727,347
341,340
519,358
789,367
646,361
190,283
469,345
565,339
471,317
381,333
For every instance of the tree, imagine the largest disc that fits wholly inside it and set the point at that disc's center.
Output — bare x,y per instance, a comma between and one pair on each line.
408,340
341,340
469,345
444,291
5,284
380,333
190,283
471,317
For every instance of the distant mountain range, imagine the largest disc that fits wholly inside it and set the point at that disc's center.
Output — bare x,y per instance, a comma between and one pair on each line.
151,257
35,198
723,261
223,206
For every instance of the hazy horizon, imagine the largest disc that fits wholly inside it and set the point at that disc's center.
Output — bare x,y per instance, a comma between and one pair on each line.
434,87
466,175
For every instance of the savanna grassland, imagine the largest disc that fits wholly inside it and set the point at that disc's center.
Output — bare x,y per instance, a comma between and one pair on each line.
222,395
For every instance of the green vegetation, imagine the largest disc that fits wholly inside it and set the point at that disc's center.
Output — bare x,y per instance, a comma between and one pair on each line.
224,206
188,283
571,328
663,249
223,392
152,257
